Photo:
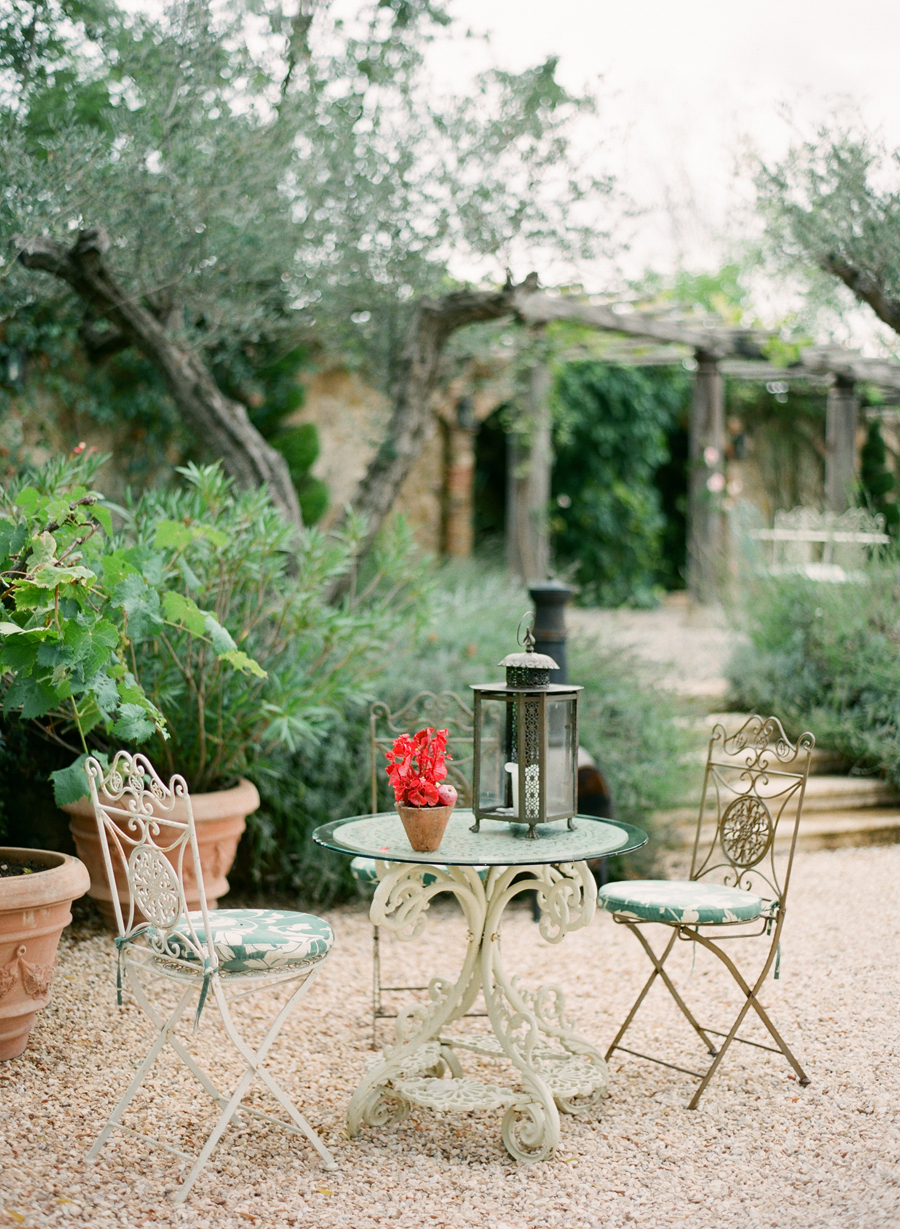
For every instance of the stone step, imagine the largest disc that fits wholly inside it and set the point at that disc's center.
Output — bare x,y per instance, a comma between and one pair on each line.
834,829
828,793
825,793
839,809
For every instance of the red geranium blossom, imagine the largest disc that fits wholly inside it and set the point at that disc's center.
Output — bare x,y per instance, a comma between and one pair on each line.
416,766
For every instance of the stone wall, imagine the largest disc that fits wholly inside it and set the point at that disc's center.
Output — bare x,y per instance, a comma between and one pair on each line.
436,497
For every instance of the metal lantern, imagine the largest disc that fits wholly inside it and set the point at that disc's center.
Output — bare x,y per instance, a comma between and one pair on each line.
525,767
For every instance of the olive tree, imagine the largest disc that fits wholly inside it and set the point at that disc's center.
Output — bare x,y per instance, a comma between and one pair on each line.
832,208
219,177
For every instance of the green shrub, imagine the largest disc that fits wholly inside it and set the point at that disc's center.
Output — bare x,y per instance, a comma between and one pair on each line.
265,581
826,657
611,441
80,607
301,733
241,582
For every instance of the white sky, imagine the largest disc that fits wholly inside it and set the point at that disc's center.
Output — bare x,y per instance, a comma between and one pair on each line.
686,86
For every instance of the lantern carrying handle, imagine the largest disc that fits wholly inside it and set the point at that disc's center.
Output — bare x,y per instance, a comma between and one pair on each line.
525,636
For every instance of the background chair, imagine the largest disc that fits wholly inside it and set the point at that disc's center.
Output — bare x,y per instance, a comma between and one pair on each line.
745,839
442,711
209,959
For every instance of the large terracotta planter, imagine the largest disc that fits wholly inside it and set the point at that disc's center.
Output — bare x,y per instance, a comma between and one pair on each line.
220,819
34,910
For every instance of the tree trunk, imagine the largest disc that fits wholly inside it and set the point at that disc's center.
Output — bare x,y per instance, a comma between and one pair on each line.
866,288
220,423
434,320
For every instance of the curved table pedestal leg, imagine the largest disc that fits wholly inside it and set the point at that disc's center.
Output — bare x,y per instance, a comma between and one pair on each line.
558,1069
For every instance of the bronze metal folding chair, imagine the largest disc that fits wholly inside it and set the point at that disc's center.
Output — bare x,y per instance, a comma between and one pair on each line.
443,711
743,855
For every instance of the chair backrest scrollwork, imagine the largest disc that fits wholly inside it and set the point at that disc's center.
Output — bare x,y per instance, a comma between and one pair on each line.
753,791
147,829
443,711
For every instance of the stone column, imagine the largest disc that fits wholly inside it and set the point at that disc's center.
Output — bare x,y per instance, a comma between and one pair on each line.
459,485
528,468
706,481
842,415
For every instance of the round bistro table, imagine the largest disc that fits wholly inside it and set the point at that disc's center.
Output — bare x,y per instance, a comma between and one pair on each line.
557,1069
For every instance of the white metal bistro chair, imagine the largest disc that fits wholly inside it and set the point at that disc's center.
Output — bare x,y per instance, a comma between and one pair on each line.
746,837
209,959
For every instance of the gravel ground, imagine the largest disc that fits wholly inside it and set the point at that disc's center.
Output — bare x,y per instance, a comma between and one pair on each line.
688,648
760,1151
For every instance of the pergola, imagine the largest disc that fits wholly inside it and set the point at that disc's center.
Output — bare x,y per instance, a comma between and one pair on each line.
717,350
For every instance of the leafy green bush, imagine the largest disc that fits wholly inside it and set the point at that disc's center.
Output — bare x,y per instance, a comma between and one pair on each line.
827,658
611,441
265,581
78,606
301,732
196,580
878,484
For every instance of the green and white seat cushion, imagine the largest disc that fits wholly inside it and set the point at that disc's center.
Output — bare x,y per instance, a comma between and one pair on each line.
689,901
364,870
254,940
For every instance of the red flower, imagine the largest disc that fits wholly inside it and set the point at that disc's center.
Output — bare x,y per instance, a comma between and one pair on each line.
416,766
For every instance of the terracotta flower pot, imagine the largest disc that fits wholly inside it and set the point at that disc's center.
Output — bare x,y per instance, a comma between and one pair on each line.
34,910
424,825
220,819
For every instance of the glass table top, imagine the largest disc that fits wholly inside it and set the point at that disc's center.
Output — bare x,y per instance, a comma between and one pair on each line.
383,837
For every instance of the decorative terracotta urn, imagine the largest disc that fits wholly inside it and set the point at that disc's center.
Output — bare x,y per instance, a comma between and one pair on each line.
220,818
34,910
424,826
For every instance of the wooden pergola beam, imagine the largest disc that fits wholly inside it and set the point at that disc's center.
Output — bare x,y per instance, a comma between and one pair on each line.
535,307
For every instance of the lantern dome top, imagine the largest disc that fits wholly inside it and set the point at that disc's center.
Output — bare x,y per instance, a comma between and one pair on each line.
529,660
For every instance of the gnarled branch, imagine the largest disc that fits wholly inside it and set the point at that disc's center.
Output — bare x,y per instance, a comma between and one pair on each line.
222,424
433,321
866,289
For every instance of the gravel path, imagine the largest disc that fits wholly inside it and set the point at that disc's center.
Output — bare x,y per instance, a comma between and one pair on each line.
760,1151
690,648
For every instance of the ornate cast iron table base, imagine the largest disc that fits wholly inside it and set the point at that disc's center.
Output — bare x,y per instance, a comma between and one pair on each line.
558,1070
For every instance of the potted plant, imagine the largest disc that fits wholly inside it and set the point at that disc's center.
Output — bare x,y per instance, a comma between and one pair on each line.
224,656
80,605
36,889
424,800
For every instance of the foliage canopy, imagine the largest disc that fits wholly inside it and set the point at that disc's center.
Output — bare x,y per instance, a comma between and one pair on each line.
263,175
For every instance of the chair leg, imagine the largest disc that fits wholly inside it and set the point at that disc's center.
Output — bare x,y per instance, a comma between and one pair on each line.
711,1069
659,971
256,1070
752,1001
164,1035
181,1050
231,1105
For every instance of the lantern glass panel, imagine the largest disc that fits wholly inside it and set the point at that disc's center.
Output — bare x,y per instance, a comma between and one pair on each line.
493,780
562,749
